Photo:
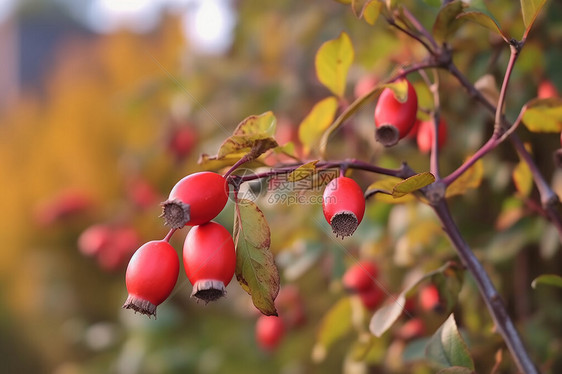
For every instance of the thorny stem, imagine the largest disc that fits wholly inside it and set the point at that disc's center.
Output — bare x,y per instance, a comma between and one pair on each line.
487,290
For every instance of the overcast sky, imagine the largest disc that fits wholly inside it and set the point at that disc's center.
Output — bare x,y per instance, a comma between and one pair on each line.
207,23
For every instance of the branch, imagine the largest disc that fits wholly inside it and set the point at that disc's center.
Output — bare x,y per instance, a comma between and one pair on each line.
491,297
515,48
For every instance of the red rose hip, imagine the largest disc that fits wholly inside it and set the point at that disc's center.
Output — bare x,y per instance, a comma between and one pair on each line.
360,277
209,260
269,332
151,276
429,299
425,133
195,199
394,119
343,204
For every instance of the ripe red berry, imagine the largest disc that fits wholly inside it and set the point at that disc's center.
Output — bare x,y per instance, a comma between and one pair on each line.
151,276
209,260
394,119
429,299
65,205
142,194
343,204
269,332
372,297
360,277
413,328
94,239
118,250
195,199
365,85
290,305
546,89
425,135
181,141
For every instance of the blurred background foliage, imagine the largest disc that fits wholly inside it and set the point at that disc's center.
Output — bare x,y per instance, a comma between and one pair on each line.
117,118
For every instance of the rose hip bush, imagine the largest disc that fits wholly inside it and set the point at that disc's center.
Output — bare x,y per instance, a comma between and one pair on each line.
434,333
433,254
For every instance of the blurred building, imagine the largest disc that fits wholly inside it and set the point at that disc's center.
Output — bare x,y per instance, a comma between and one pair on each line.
28,44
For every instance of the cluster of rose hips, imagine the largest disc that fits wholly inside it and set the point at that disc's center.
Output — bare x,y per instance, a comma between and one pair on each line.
361,280
395,120
208,252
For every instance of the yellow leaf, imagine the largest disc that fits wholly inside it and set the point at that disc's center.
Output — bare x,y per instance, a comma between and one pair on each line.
302,172
254,143
371,11
543,115
381,191
332,62
468,180
523,178
316,122
412,184
257,124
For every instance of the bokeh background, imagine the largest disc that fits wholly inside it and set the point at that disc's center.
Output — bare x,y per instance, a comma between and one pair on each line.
105,104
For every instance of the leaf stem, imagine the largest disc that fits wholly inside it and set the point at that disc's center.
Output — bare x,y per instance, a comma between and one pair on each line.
238,163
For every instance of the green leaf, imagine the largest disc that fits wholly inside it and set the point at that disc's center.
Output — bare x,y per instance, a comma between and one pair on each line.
255,267
412,184
543,115
335,324
446,22
252,144
262,124
316,122
530,10
478,13
470,179
523,178
302,172
548,280
332,62
446,347
449,283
